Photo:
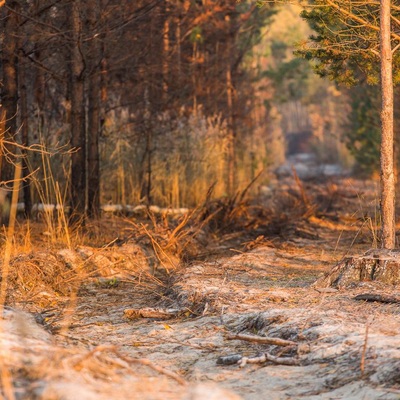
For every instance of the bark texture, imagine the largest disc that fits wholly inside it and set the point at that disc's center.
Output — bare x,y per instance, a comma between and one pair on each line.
231,153
9,95
387,156
9,103
78,134
25,137
380,265
94,96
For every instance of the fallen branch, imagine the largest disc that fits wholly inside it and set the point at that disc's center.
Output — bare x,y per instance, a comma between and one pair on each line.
230,359
282,360
326,290
377,297
160,313
261,339
268,357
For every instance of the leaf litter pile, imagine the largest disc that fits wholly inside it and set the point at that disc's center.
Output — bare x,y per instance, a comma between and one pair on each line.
218,303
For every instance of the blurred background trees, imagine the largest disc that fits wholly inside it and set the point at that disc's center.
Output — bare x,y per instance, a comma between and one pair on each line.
155,101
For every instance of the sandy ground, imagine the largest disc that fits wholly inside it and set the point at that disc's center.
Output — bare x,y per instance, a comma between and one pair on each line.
86,346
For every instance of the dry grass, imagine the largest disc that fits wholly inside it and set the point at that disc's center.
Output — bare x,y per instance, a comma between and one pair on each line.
53,200
178,157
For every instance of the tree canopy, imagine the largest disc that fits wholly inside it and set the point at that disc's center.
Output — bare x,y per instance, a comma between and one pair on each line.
345,46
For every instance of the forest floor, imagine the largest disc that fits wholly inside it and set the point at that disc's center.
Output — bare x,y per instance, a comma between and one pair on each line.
145,310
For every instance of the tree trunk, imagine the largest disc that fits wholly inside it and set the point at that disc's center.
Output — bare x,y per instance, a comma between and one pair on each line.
9,87
9,100
39,79
387,158
231,164
78,134
25,137
381,265
165,56
178,50
231,150
94,95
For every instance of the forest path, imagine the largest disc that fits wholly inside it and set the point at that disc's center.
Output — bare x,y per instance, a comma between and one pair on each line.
263,291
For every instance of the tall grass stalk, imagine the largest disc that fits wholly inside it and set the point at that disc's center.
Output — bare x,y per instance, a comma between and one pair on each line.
49,192
5,374
9,237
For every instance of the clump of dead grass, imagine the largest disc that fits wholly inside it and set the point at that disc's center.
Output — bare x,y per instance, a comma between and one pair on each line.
58,274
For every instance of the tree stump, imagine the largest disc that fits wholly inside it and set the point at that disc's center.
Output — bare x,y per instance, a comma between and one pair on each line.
379,265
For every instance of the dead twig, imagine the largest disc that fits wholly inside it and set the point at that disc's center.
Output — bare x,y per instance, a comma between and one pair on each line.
129,361
158,250
326,290
364,350
250,184
310,208
261,339
148,363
